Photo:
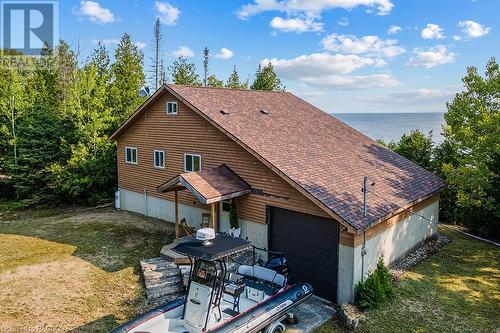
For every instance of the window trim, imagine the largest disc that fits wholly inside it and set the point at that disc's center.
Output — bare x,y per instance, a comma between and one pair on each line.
176,108
154,159
136,155
184,162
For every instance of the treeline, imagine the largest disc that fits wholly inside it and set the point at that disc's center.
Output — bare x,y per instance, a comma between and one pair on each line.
55,120
469,157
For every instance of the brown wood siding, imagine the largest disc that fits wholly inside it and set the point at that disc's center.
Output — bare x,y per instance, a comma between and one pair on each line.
187,132
354,240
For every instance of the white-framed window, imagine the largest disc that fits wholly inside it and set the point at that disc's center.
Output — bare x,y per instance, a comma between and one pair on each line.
172,108
131,155
159,159
192,162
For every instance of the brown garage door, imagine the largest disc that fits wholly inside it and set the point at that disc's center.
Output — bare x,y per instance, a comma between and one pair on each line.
310,244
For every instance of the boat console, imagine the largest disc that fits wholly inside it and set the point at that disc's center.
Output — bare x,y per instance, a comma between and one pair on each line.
217,300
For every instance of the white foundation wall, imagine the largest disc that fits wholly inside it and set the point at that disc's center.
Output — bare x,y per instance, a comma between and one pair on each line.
159,208
165,209
390,245
255,232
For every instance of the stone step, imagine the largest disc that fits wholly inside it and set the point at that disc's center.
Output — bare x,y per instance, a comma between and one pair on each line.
175,289
150,274
157,264
162,279
167,285
164,299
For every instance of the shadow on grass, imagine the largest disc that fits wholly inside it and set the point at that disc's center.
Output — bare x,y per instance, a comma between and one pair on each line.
111,240
104,324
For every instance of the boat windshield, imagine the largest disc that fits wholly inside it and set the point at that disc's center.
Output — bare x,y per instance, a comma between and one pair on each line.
204,273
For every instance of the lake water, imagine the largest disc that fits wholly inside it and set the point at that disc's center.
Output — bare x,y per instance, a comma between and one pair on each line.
391,126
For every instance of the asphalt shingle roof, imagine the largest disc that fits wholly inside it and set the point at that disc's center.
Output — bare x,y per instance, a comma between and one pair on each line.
319,153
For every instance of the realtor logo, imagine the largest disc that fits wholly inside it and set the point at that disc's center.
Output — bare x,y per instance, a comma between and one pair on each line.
27,25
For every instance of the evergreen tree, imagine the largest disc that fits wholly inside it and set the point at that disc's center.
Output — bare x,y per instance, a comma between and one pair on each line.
206,55
156,60
100,58
127,79
184,72
88,175
266,79
234,81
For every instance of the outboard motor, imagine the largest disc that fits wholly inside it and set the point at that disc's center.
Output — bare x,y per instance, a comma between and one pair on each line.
278,263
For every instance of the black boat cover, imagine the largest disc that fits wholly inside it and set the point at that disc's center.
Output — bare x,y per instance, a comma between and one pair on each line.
219,247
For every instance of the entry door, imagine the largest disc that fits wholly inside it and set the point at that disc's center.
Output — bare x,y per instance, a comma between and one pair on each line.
310,244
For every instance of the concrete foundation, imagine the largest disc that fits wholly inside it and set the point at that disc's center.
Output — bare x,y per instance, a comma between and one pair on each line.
390,245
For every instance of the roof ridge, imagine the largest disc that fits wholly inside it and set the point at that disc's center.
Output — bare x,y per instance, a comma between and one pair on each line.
226,88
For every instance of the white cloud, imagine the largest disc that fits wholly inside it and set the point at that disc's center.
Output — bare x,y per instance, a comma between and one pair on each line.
434,56
367,45
416,96
316,93
432,31
106,42
295,24
140,45
331,71
473,29
167,13
393,29
457,37
224,54
183,51
343,21
310,8
95,12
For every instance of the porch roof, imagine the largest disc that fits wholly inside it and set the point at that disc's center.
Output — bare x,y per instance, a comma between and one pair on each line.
208,185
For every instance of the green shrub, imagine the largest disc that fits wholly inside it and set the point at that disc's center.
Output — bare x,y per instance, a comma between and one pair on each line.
376,289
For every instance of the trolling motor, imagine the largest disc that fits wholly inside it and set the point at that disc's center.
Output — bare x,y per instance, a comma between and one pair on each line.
279,264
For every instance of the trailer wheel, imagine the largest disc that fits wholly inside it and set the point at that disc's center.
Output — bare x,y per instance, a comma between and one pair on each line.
277,329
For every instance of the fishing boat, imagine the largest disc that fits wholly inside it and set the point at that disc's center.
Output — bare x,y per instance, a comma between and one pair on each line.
252,299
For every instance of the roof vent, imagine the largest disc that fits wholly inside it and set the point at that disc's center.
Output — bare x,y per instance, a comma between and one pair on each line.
224,112
264,111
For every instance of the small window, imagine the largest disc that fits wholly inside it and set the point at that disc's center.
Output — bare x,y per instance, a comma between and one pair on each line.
192,162
226,205
131,155
171,108
159,157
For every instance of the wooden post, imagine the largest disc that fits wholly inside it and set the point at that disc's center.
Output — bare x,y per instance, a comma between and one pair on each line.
176,201
213,217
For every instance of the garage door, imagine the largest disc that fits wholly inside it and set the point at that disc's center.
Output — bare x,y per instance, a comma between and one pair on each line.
311,245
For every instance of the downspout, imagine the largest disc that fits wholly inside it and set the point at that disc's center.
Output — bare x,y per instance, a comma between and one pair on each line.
363,248
145,202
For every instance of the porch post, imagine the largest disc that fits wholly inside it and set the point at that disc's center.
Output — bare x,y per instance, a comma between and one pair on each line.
213,217
176,202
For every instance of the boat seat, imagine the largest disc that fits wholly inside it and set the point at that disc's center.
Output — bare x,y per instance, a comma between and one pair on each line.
262,273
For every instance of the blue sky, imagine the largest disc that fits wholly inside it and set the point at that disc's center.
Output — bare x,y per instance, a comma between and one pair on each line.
341,55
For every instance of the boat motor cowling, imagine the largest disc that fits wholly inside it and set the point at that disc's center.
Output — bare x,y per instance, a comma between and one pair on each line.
278,263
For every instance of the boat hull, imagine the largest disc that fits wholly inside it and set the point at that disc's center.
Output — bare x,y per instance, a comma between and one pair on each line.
252,320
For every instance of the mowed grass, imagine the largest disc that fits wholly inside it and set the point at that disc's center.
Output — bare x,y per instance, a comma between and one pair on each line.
456,290
76,271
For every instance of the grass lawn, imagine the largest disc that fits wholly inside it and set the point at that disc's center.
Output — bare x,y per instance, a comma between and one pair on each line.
74,271
78,271
456,290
